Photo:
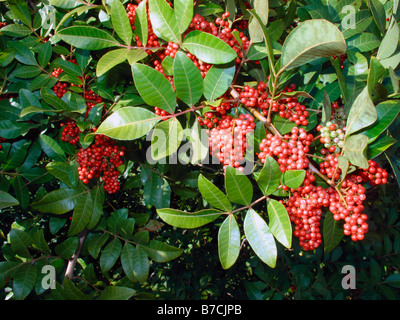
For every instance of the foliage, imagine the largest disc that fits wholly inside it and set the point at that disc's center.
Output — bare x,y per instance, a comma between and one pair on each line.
199,149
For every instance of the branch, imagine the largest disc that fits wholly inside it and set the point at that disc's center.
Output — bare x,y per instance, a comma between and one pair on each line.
69,273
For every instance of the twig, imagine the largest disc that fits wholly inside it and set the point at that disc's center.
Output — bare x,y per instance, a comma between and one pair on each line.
69,273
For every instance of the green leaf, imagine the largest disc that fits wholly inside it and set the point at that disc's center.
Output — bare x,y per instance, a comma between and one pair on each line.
16,30
260,238
355,149
12,130
279,222
44,54
393,280
157,192
52,148
58,201
23,54
135,263
120,22
188,220
293,178
40,243
98,198
356,23
187,79
208,48
68,67
96,243
228,242
261,7
332,233
67,248
389,42
362,113
128,123
71,292
166,138
380,145
7,200
24,280
141,24
163,20
110,254
269,177
213,195
116,293
21,11
81,215
111,59
387,112
238,187
183,10
20,241
217,81
154,88
65,172
311,40
161,252
378,11
363,42
87,37
376,73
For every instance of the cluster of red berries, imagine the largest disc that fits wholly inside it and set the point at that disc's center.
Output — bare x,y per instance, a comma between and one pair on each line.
305,210
374,174
160,112
348,206
56,72
290,150
288,107
342,58
70,132
330,168
3,24
101,159
228,140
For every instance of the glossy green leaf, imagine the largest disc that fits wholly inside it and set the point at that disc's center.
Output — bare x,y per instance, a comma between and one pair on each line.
98,197
213,195
389,42
58,201
379,146
208,48
67,248
52,148
128,123
24,280
81,215
161,252
355,149
110,60
72,292
387,112
157,192
293,178
16,30
255,30
311,40
21,11
362,113
376,73
356,23
20,241
363,42
96,243
238,187
260,238
163,20
120,22
166,138
279,222
217,81
110,254
228,242
269,177
65,172
332,232
23,54
184,13
7,200
187,79
141,24
188,220
135,263
87,37
154,88
378,11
